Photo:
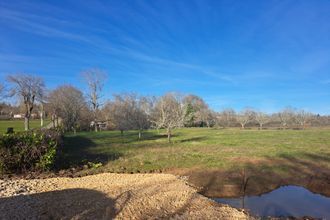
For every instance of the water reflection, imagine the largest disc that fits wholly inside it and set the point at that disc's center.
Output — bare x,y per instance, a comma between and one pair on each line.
285,201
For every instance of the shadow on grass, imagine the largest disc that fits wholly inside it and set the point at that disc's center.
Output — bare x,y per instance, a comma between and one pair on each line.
81,149
201,138
78,151
130,137
146,136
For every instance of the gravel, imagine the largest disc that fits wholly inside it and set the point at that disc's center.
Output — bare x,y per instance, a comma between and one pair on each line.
108,196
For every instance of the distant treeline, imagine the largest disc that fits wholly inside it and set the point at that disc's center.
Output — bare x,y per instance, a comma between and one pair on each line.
84,110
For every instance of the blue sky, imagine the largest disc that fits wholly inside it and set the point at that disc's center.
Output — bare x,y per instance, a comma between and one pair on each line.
261,54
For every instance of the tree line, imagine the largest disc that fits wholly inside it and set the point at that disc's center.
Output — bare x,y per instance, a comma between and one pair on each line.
69,107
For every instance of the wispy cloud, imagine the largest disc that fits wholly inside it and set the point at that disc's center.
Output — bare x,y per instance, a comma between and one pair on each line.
28,25
24,23
33,24
128,46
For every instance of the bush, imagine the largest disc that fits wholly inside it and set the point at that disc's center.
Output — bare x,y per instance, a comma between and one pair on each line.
29,151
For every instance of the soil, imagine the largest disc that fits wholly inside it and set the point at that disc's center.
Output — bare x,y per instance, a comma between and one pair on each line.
107,196
67,195
221,184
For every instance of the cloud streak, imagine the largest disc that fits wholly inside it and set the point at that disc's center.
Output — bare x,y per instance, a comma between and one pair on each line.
204,47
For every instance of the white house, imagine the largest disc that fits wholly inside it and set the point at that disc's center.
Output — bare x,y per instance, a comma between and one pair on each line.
18,115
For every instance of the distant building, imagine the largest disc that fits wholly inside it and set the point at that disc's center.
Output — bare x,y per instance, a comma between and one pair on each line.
102,125
18,116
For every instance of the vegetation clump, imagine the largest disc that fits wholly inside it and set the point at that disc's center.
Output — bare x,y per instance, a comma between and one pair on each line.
29,151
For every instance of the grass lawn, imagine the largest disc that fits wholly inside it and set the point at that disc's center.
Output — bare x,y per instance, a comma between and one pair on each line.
225,149
18,125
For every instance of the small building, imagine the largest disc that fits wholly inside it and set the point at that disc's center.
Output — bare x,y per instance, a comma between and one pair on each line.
18,116
102,125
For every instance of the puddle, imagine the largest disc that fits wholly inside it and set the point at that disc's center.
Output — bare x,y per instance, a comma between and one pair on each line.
285,201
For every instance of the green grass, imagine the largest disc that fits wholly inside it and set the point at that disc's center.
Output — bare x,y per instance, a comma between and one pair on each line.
18,125
223,149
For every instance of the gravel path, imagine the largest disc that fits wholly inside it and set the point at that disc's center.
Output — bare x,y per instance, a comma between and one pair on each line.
107,196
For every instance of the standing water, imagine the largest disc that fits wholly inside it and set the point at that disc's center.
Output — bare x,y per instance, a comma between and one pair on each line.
285,201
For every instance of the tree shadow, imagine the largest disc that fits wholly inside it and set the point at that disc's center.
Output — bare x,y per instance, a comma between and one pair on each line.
200,138
151,137
131,137
78,151
101,147
79,203
63,204
146,136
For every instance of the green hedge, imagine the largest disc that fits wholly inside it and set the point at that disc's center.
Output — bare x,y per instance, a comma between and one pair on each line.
29,151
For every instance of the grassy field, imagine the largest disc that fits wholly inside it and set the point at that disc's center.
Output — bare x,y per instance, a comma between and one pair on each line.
18,125
224,149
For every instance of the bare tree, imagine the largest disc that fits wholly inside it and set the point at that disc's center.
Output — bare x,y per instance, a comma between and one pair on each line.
302,117
118,113
29,89
129,111
2,90
95,79
169,113
227,117
41,106
140,110
69,102
53,105
208,117
244,117
41,113
286,116
261,118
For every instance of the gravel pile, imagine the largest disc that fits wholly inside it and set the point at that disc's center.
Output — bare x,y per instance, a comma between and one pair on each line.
107,196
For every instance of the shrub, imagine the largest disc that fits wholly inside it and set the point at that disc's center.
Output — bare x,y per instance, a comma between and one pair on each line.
29,151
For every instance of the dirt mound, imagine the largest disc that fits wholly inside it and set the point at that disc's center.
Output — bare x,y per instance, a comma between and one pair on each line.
106,196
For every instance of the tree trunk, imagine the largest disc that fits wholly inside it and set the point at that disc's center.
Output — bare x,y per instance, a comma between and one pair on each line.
242,126
26,123
95,126
42,115
53,120
260,127
42,119
140,134
303,125
95,120
121,132
169,135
